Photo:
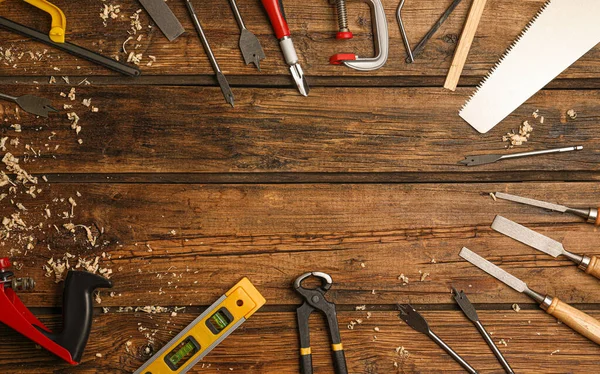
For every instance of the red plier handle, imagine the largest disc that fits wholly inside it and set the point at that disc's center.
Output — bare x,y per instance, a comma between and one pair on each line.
276,14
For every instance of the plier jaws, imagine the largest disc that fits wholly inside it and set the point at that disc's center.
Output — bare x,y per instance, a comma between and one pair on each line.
314,300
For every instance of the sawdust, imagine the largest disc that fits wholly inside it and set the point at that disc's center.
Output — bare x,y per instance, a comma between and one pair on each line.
516,308
403,278
519,137
572,114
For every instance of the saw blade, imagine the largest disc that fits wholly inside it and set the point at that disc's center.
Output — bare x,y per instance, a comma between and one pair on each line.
562,32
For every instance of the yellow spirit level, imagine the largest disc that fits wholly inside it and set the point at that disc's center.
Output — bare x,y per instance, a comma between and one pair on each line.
206,331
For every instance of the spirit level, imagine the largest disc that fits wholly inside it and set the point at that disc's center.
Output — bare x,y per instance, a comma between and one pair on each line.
207,331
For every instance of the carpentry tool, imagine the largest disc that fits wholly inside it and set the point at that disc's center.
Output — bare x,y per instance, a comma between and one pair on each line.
211,57
164,18
31,104
589,214
70,48
276,15
249,45
562,32
207,331
314,300
342,17
475,160
574,318
469,310
410,59
78,309
415,320
58,24
421,45
591,265
464,44
381,39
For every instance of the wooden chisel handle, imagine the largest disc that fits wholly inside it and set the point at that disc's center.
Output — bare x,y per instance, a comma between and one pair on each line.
594,267
597,223
575,319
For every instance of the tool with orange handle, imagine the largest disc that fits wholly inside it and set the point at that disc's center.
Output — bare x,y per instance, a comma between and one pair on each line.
276,15
574,318
589,214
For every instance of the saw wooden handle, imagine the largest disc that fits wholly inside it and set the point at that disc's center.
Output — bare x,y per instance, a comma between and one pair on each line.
464,44
575,319
594,267
597,223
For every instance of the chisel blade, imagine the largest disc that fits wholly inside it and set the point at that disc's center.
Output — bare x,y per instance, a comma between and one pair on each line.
532,202
493,270
527,236
164,18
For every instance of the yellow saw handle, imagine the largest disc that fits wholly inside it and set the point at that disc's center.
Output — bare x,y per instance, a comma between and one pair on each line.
58,26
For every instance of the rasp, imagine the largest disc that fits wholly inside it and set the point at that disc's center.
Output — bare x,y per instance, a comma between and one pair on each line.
520,233
574,318
562,32
164,18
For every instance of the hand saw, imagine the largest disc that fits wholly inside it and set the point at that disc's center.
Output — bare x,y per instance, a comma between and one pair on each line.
562,32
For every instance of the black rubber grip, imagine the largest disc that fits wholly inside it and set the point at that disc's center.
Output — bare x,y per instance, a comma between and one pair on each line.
306,364
339,362
78,310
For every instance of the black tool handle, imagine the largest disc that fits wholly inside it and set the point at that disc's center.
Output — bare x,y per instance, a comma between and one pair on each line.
452,354
78,310
306,364
492,345
71,48
339,362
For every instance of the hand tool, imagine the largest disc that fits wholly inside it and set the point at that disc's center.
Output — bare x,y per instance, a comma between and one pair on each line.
574,318
58,25
207,331
314,300
476,160
276,15
421,45
71,48
410,59
381,38
164,18
342,17
249,45
589,214
31,104
591,265
415,320
211,57
562,32
469,310
78,309
464,44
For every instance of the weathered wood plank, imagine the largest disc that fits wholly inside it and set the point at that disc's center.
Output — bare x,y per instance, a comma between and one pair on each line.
166,239
393,130
313,27
267,343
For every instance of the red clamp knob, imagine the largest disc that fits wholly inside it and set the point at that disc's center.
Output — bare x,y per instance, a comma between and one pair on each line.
338,58
4,263
344,35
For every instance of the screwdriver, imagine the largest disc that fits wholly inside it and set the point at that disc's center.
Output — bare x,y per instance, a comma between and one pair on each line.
276,15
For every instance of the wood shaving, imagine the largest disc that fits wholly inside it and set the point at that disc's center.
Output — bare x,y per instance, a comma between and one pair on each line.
554,352
400,351
503,342
423,276
520,137
516,308
403,278
493,196
360,307
572,114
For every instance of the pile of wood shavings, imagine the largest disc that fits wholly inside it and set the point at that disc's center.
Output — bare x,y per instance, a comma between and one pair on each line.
523,134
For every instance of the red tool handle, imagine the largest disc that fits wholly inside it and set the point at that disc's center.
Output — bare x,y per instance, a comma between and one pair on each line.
276,14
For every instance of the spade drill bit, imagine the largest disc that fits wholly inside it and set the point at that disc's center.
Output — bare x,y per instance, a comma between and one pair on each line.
252,51
213,61
470,312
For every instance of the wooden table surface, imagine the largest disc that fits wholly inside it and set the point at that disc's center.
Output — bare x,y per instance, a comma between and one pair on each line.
186,195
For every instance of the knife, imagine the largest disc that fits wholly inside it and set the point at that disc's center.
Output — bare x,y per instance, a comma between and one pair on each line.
591,265
590,214
574,318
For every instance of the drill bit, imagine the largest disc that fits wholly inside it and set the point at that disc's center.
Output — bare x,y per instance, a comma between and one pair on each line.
213,61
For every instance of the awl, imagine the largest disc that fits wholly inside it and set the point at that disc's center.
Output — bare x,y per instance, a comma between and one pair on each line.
476,160
589,214
574,318
276,15
520,233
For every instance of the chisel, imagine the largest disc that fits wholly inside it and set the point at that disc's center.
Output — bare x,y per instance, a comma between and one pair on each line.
590,214
574,318
164,18
590,265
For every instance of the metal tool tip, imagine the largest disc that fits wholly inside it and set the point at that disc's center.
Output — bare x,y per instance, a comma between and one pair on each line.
257,62
51,108
455,291
579,148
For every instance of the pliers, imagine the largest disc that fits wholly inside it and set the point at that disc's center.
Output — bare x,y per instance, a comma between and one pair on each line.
314,299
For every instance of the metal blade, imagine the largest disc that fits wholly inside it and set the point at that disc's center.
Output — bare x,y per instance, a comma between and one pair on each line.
38,106
164,18
528,236
225,88
300,79
562,32
479,160
493,270
464,304
413,318
251,49
532,202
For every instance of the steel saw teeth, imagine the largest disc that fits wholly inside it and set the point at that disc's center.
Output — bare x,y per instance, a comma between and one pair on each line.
558,35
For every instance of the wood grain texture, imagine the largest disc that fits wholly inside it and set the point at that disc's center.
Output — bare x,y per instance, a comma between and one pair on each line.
313,27
191,130
267,343
579,321
365,236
